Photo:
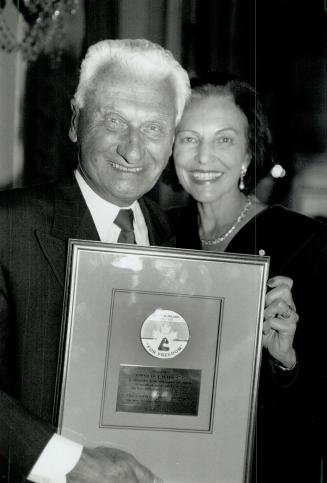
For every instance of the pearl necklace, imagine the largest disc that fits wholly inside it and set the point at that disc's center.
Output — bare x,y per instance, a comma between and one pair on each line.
232,228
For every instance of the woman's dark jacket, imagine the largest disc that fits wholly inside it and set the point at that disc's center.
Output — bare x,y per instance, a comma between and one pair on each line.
291,425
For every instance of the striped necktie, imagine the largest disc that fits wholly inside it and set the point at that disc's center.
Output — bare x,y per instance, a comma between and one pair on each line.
124,220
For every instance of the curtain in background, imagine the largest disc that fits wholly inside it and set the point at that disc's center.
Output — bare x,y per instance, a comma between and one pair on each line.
48,151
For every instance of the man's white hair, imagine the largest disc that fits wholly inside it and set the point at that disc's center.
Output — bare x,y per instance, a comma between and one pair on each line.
140,55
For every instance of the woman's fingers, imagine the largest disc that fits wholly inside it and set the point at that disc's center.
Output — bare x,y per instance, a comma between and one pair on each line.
281,292
279,307
284,326
280,280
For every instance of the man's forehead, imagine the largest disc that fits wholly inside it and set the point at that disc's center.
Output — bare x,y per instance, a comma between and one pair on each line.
118,78
125,71
110,86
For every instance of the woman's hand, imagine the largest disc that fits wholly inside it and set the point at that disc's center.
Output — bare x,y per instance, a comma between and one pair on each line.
280,319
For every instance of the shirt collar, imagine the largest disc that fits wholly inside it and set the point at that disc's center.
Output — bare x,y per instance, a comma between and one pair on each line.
104,213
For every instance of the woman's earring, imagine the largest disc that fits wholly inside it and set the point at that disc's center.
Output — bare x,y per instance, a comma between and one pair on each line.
241,183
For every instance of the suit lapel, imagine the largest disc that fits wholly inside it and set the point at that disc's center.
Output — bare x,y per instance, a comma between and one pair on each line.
71,219
159,229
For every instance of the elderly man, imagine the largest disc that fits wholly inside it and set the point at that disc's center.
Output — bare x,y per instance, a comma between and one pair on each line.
130,96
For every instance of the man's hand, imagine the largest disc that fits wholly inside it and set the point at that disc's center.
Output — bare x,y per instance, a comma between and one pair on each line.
280,319
109,465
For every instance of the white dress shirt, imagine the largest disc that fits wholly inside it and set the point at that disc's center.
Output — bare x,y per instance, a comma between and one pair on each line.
104,214
61,455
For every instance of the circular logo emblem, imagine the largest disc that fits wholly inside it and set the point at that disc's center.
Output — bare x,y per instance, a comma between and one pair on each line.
164,334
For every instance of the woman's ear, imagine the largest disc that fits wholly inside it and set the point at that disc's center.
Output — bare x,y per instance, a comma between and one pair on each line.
74,121
247,161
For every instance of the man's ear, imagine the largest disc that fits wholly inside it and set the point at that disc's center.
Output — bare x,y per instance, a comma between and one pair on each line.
74,121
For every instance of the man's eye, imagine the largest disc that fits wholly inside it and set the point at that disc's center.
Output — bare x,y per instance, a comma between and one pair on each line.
115,124
154,129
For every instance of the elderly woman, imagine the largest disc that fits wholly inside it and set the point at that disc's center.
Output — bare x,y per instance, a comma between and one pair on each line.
222,149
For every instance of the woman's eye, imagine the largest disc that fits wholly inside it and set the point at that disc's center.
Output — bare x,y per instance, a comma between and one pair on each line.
224,140
188,139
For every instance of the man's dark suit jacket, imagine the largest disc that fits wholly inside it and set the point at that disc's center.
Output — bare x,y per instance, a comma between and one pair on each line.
35,225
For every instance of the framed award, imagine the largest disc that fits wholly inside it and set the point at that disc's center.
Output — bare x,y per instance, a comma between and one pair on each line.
161,354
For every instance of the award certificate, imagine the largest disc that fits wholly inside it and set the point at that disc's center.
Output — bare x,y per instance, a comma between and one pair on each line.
161,354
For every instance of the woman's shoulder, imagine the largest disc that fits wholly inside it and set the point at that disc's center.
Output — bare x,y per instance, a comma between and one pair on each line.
280,232
289,234
290,221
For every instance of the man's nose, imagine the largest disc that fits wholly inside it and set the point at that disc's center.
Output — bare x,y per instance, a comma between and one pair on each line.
131,147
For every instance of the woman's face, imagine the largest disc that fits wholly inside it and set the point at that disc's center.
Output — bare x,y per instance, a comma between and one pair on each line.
211,148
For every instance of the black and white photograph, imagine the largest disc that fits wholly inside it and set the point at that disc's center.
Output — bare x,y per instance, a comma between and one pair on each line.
163,241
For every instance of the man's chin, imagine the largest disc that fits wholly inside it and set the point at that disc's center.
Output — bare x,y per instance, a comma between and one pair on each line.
125,198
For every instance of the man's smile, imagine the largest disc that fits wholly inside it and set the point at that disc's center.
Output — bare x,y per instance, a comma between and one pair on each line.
125,169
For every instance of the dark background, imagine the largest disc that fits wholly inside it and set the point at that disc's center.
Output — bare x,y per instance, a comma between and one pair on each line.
278,46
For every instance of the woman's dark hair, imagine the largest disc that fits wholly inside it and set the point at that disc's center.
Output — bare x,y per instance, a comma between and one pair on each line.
259,136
